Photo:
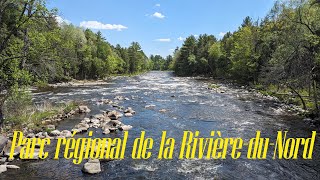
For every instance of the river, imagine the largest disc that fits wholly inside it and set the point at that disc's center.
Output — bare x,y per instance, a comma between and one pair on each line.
190,106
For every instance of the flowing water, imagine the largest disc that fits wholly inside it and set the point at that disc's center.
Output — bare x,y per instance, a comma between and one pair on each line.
190,106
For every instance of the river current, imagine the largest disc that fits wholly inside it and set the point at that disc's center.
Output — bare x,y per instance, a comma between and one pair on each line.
189,105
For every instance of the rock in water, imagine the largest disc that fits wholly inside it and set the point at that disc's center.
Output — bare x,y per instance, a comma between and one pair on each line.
128,115
125,128
51,127
7,149
92,166
3,168
3,142
84,109
55,133
12,167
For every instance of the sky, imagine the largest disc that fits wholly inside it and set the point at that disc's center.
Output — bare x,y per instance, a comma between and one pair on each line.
158,25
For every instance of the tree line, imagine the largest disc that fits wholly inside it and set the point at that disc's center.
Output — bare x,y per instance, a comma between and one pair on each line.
280,51
36,48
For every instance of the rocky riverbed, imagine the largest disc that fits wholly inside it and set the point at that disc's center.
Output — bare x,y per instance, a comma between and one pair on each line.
156,102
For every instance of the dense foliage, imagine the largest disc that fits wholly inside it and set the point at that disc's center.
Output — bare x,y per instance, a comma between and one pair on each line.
282,50
34,47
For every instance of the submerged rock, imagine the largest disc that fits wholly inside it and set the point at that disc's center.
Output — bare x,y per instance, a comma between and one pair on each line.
92,166
151,106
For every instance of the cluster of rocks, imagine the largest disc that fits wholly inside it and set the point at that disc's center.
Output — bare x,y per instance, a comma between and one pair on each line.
5,146
108,121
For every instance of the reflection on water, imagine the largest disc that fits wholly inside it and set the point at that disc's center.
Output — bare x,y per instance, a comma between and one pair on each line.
190,106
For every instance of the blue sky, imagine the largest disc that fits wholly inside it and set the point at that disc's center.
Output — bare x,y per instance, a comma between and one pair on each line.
159,25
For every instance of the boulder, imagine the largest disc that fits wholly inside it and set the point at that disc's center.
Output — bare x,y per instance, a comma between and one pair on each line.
66,134
31,135
129,110
92,166
7,149
125,128
82,127
55,133
106,131
3,142
84,109
51,127
162,110
12,167
40,135
128,115
3,168
114,115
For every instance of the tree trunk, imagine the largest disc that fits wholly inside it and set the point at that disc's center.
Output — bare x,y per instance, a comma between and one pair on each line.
1,113
25,49
315,96
300,97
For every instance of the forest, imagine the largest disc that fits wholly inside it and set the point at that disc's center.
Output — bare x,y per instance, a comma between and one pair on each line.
36,49
278,55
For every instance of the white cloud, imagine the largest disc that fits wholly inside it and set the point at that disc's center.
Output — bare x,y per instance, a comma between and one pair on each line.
164,40
221,34
181,38
158,15
171,50
158,5
196,35
99,25
61,20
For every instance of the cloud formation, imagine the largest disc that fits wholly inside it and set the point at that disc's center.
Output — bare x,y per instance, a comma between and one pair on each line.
101,26
158,5
164,40
221,34
181,38
61,20
158,15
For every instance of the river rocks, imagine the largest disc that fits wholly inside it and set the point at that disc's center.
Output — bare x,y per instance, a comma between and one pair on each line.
31,135
92,166
3,168
40,135
3,142
51,127
55,133
129,110
46,122
3,160
106,131
84,109
125,128
119,98
66,134
7,149
12,167
82,127
114,115
163,110
151,106
128,115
